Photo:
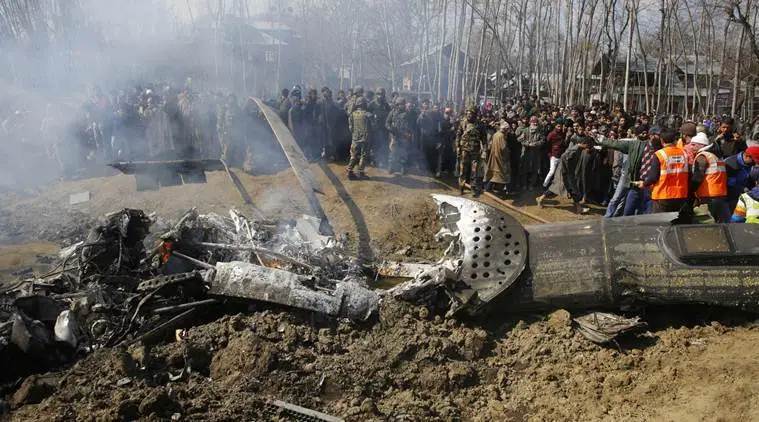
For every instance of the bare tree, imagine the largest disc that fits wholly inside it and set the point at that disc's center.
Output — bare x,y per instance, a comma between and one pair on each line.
738,12
443,34
631,11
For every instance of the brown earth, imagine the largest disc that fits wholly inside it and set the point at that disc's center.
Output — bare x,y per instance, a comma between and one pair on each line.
385,213
693,364
414,366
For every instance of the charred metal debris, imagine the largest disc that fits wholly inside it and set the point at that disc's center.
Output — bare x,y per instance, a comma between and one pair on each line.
496,265
111,290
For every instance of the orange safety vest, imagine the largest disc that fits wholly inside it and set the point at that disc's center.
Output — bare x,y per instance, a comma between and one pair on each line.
673,174
715,182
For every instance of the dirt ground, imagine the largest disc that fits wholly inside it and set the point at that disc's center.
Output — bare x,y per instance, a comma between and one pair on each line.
692,364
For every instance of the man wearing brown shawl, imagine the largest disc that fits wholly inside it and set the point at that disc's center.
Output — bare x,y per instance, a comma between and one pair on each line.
498,174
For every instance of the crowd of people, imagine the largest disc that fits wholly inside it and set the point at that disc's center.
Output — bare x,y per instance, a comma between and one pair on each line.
151,121
629,162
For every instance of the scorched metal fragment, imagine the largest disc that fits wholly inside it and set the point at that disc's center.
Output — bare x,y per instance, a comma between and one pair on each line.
606,263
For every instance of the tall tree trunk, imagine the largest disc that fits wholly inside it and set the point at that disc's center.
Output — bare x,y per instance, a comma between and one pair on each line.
740,16
460,58
422,52
543,68
538,45
614,47
631,10
645,59
576,56
721,65
555,85
710,54
736,73
486,66
453,69
586,53
443,34
565,55
696,70
388,45
466,56
671,69
520,63
660,59
682,46
480,52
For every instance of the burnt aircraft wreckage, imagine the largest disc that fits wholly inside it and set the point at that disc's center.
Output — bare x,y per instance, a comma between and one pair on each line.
495,264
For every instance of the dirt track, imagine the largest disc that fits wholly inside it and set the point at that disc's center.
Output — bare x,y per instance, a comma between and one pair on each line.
696,363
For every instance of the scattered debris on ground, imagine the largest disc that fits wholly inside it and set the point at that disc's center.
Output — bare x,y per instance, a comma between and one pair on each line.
218,317
109,290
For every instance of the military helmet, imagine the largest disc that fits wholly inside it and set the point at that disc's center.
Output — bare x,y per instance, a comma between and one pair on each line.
358,90
400,101
471,109
361,103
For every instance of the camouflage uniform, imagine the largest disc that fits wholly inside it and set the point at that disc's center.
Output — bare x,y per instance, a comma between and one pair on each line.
401,136
379,109
360,126
350,106
469,150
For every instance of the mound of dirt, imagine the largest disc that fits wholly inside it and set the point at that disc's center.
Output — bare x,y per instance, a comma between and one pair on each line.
415,234
411,365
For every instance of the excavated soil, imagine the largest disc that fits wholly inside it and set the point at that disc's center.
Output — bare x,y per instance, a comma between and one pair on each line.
693,364
412,366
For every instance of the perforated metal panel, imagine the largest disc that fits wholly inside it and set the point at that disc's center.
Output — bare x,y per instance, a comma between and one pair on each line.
494,244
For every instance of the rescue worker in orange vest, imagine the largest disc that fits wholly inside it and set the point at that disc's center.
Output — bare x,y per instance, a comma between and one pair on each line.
708,179
668,177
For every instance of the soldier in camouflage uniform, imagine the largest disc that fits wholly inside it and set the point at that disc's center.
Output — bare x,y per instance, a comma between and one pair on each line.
469,145
401,136
358,92
379,109
360,125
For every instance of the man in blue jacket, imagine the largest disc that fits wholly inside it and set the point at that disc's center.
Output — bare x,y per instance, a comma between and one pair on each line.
738,169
